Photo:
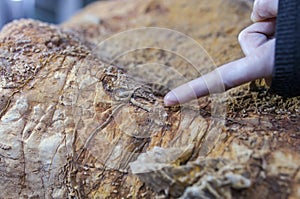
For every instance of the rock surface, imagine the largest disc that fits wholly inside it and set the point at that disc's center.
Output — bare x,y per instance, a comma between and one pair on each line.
213,24
82,119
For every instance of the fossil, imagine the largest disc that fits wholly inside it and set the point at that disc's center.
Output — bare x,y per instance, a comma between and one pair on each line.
75,124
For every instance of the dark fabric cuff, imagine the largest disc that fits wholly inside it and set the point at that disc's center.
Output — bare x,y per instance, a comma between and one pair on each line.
286,72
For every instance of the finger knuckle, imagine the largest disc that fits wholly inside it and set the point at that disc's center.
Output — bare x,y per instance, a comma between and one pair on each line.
242,37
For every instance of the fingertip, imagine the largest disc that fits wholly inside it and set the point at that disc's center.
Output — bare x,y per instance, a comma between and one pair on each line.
170,99
253,17
264,9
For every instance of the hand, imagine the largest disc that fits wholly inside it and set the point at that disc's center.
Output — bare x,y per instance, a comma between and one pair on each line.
258,44
264,9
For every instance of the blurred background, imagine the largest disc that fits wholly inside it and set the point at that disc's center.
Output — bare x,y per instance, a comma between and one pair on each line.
53,11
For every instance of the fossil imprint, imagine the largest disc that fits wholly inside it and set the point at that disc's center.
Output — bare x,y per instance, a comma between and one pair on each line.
73,126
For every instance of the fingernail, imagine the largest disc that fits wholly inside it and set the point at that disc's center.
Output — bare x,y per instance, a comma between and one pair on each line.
253,17
170,99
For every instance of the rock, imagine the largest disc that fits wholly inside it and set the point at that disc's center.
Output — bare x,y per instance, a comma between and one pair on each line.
83,119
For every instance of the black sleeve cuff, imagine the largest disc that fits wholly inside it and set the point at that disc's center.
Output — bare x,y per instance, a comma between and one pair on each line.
286,72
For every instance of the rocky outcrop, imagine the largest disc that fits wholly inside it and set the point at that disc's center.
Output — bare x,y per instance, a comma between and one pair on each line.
83,117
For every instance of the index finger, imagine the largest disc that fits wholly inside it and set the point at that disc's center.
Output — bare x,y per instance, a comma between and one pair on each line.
258,64
264,9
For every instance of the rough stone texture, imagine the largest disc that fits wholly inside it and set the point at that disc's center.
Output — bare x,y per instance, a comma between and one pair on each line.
214,24
83,120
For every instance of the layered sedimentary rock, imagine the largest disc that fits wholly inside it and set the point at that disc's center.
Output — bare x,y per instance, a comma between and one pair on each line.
84,118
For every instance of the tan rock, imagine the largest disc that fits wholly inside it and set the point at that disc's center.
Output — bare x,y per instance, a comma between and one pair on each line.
81,118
